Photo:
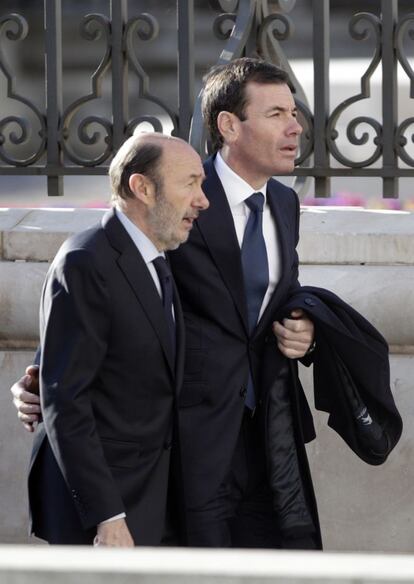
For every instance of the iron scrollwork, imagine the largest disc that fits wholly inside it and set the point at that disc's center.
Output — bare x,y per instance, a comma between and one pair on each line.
332,133
147,28
235,45
400,140
275,28
15,27
256,28
93,27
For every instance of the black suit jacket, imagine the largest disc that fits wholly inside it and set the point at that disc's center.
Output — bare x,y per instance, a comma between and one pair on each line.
350,369
108,390
219,349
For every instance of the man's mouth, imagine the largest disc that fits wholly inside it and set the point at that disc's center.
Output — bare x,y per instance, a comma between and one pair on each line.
290,149
189,220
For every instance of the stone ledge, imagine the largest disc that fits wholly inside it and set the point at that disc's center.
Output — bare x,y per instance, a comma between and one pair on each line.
154,566
328,235
39,233
331,235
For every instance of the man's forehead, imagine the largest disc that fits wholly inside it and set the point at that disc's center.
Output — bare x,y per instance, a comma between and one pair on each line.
269,91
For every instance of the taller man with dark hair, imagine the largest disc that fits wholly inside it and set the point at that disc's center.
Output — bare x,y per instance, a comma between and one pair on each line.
112,353
238,266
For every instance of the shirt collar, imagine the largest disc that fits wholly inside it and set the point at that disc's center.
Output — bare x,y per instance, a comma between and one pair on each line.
237,189
144,245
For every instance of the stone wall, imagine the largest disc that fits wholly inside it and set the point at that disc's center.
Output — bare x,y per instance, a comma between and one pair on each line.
367,257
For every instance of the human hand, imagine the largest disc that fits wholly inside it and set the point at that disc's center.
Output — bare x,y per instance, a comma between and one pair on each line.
113,534
294,335
26,398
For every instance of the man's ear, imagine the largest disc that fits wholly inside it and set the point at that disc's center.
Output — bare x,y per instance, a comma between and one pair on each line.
142,187
227,124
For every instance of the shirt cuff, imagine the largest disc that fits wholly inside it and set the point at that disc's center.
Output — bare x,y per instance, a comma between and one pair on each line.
119,516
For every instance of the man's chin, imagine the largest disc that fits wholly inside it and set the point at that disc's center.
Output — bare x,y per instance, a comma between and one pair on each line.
175,243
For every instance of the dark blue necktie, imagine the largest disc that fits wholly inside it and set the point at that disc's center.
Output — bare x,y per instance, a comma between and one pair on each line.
166,281
255,271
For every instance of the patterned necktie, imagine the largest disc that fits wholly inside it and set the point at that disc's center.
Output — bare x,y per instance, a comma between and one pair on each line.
166,281
255,271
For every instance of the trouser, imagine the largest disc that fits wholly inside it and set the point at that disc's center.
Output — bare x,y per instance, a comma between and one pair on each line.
241,512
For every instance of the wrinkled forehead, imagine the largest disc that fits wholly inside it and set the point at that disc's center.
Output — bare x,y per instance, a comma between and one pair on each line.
179,158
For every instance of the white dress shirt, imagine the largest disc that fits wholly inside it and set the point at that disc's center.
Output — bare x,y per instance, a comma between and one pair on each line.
237,191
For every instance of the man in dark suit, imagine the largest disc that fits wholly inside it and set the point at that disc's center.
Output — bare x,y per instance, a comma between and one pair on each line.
238,266
111,331
234,350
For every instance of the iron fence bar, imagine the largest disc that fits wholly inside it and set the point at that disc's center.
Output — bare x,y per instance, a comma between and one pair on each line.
250,27
389,13
53,75
321,54
185,31
120,114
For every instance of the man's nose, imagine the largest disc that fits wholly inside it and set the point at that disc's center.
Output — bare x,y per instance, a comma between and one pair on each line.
295,128
201,200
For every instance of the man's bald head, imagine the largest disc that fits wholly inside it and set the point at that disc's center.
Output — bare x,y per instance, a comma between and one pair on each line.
141,154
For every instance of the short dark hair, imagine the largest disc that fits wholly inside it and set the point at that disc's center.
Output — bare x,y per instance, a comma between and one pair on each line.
135,156
225,90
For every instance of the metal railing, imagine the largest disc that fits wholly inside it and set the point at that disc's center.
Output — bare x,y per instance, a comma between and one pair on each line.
40,141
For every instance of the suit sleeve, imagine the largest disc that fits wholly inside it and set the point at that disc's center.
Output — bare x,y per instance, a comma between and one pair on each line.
75,319
294,280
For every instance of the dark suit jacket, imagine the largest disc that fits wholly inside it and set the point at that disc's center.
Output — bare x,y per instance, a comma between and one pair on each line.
219,349
351,368
108,392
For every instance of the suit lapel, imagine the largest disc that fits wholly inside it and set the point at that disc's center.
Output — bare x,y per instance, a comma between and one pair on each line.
139,278
216,226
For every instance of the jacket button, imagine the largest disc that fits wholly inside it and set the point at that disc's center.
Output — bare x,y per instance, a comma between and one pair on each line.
168,445
310,302
243,392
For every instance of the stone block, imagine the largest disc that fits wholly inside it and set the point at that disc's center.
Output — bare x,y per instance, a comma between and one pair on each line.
363,507
41,232
383,294
9,218
330,235
15,448
20,287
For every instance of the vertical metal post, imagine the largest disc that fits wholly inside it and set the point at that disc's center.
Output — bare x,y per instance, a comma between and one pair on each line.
389,17
53,66
119,18
185,28
321,54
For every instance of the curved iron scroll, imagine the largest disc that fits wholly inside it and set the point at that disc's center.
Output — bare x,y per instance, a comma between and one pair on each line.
351,132
400,140
93,27
16,28
233,49
146,27
268,39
